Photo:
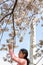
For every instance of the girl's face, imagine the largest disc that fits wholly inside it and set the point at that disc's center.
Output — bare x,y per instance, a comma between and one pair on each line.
21,55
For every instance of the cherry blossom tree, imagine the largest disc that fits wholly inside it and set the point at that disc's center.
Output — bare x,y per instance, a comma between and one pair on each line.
21,15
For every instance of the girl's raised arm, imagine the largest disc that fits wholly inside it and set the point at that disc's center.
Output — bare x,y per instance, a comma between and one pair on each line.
17,59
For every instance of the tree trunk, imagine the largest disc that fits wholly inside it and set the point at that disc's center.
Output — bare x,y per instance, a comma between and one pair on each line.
32,42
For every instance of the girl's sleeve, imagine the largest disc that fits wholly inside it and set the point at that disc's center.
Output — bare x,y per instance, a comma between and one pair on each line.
18,60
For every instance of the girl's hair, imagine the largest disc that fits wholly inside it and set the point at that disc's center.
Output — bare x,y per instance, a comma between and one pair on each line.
24,51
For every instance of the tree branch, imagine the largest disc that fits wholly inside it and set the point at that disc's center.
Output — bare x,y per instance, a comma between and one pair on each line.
5,16
11,11
14,6
13,30
39,60
4,2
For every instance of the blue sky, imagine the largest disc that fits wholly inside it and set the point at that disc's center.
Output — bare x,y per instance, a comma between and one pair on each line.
39,32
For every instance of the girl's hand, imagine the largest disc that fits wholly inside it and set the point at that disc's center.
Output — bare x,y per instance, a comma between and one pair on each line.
10,46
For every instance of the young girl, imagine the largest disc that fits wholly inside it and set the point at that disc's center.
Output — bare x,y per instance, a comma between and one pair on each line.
22,56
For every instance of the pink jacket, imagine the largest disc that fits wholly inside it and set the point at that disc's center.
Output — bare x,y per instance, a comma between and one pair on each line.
20,61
